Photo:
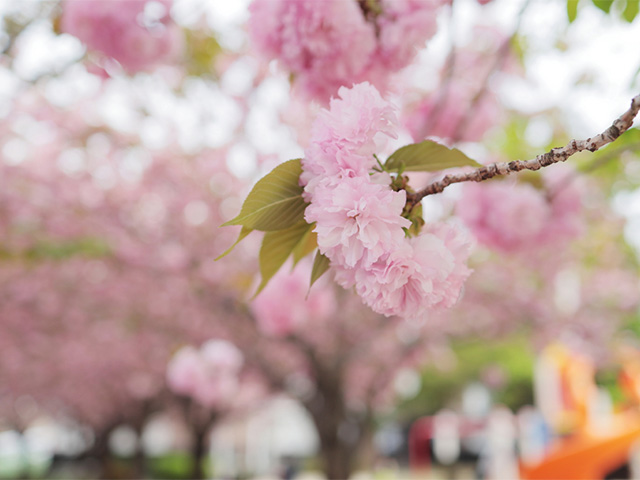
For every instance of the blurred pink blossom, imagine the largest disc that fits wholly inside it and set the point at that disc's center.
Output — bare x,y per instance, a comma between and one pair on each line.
405,26
324,44
465,105
286,305
447,118
516,217
332,43
209,375
117,29
185,371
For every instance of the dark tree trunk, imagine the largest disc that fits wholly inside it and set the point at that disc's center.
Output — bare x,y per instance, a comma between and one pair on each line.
337,459
100,450
198,451
139,460
341,432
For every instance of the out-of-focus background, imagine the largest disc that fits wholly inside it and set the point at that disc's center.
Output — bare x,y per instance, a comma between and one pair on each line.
131,130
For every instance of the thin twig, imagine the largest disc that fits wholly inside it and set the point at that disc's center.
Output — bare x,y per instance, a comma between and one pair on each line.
555,155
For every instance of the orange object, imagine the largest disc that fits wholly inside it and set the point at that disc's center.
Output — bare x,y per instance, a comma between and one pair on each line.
629,378
588,455
572,385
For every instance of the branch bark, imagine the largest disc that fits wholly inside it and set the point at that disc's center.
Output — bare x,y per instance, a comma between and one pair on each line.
555,155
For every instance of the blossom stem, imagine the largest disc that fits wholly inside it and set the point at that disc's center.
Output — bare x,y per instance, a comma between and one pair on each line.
555,155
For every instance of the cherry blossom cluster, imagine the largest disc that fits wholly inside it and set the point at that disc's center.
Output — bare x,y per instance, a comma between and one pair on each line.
359,219
331,43
135,35
517,217
210,375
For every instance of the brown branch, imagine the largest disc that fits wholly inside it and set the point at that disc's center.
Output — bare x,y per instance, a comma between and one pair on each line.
555,155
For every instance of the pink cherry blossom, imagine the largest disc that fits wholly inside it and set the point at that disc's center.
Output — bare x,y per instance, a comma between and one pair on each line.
117,30
286,305
221,363
360,118
504,215
405,26
345,137
324,44
460,243
222,355
185,371
359,219
209,375
333,43
516,217
428,273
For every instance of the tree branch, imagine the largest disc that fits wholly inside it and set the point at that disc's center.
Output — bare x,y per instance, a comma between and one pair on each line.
555,155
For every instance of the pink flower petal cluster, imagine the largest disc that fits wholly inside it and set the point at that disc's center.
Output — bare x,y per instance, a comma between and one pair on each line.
357,221
210,375
117,29
358,218
404,26
332,43
516,217
346,136
286,305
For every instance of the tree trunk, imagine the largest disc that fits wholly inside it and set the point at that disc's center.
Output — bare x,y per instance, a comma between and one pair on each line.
340,436
342,432
337,459
139,461
198,451
100,450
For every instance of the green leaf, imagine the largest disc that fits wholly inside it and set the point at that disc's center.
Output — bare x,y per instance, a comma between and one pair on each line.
631,10
416,219
307,245
320,266
276,248
572,10
427,156
275,202
604,5
243,233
